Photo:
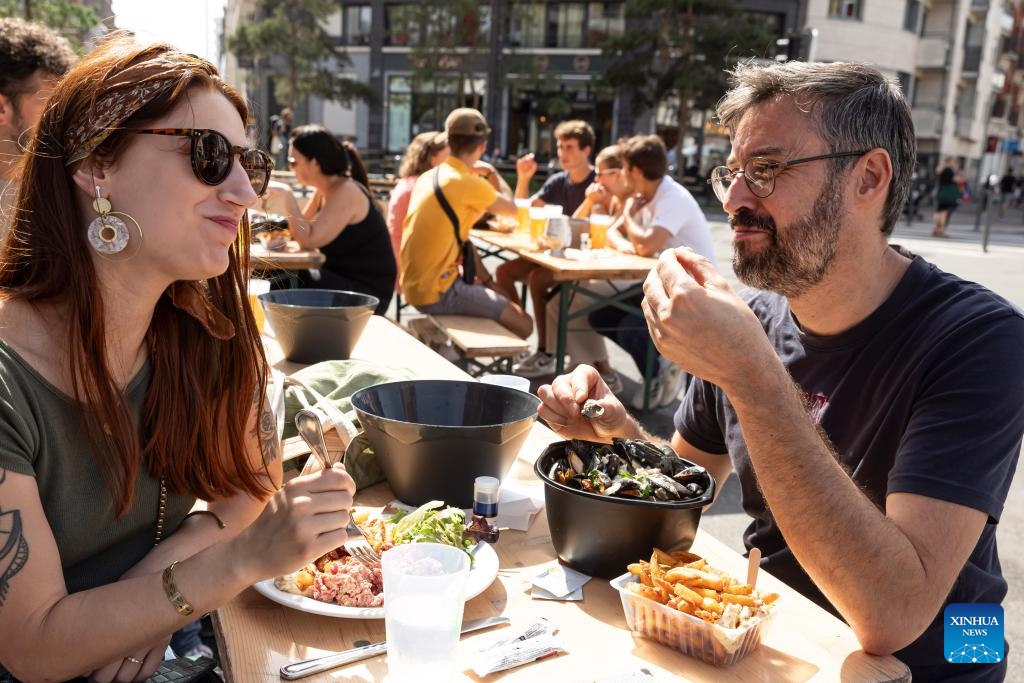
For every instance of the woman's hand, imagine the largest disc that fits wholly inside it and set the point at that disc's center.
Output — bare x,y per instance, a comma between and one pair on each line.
563,399
138,666
301,522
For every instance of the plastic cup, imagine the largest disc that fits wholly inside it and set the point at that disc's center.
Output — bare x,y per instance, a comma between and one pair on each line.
257,287
599,230
538,219
424,594
523,215
510,381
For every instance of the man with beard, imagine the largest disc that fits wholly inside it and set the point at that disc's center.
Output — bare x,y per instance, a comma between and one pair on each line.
868,402
32,58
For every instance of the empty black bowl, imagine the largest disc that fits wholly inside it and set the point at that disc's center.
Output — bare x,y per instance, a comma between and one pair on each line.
433,438
599,535
313,325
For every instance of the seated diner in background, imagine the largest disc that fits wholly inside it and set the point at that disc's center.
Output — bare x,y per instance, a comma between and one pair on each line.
341,218
433,237
140,470
659,214
609,193
567,189
869,426
425,152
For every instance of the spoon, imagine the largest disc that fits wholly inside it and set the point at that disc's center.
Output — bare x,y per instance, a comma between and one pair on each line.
312,432
753,564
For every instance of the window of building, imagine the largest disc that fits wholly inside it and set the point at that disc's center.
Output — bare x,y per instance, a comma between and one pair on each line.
526,24
402,29
565,24
472,28
906,82
356,25
604,20
912,16
845,9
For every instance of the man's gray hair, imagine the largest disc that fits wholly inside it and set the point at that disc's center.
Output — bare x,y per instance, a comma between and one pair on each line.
851,106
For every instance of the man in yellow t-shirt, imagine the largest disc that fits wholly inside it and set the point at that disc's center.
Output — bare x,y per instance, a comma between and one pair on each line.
430,254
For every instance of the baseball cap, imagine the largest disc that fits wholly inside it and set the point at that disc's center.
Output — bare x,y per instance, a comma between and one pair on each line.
466,121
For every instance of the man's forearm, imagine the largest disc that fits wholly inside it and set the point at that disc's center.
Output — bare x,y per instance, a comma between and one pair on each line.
859,559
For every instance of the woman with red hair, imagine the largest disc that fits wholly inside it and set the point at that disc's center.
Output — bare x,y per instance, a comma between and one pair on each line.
132,376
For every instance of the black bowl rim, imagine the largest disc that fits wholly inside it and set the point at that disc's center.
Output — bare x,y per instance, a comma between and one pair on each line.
372,303
441,381
706,499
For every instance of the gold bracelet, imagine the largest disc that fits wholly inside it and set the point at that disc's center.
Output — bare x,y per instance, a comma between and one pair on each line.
220,522
181,605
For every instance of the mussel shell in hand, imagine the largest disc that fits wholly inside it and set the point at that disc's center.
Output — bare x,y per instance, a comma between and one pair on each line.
591,409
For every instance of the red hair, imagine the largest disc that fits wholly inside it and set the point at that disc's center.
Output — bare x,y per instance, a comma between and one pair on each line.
192,428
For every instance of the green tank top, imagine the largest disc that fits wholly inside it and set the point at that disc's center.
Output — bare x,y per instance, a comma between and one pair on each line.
41,436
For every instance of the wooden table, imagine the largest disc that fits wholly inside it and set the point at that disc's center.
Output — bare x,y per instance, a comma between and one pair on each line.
292,257
573,276
257,636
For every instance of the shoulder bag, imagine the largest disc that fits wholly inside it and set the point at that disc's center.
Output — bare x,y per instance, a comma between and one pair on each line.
467,248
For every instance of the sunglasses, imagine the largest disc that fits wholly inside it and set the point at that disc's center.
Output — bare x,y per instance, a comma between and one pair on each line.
212,155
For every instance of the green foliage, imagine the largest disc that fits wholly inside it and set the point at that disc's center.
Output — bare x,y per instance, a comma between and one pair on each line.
71,19
289,39
682,48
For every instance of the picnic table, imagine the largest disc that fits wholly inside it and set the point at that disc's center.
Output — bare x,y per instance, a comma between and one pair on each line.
256,636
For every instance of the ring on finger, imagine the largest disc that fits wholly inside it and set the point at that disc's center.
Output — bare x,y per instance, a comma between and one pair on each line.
133,660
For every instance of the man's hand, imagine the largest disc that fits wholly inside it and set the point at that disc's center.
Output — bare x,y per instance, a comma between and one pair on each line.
698,322
562,400
526,166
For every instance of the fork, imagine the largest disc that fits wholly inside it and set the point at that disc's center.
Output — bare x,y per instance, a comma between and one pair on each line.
358,547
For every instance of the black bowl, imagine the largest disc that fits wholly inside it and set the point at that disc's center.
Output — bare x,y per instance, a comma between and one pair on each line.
313,325
599,535
433,438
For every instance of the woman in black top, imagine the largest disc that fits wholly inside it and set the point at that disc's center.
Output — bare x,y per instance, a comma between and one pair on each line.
341,218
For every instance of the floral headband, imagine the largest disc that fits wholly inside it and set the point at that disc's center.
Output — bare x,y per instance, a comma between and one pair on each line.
139,85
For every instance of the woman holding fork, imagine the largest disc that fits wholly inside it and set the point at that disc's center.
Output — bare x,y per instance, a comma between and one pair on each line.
132,376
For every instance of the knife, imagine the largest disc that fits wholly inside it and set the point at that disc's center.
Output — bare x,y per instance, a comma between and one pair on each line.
290,672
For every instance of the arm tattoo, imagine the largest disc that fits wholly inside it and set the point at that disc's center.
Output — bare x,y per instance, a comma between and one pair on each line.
13,546
266,433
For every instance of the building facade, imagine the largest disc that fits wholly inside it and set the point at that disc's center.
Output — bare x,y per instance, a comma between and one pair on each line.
955,60
527,66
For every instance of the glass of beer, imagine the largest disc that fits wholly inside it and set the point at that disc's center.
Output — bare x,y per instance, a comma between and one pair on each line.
599,223
538,219
257,287
523,215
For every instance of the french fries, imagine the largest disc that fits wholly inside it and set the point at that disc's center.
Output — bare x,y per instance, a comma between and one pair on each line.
685,582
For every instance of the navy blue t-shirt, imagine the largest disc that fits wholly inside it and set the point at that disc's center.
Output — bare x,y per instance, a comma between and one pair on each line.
560,190
924,396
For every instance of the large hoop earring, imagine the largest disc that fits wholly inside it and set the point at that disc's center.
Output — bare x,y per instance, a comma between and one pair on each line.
108,233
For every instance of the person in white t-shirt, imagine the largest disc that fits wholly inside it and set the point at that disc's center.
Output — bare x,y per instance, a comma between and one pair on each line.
660,214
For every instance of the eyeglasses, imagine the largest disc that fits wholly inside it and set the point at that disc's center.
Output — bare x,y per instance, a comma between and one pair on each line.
759,173
212,154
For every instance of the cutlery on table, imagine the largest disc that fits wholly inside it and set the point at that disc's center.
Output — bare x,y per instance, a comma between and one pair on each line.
312,432
290,672
359,547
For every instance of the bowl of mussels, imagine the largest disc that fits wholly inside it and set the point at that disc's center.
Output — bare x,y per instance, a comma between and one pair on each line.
608,504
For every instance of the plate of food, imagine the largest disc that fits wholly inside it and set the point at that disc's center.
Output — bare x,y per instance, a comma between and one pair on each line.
337,585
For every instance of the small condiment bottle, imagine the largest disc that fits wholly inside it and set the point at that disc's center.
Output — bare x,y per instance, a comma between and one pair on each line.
485,497
485,510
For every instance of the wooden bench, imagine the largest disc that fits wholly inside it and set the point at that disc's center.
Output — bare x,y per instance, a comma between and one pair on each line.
476,338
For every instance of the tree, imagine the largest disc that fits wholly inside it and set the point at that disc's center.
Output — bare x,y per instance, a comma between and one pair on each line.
680,50
72,20
302,56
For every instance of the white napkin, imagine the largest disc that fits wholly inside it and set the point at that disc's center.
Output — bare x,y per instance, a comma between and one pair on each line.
518,503
556,582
